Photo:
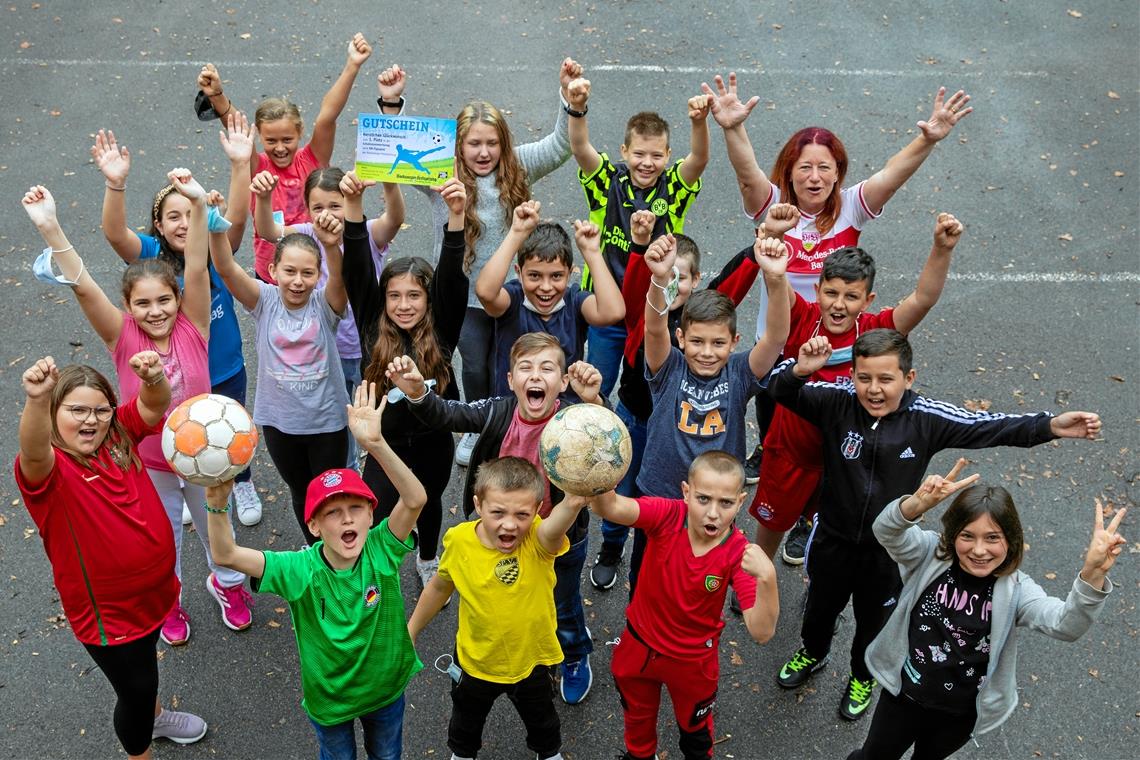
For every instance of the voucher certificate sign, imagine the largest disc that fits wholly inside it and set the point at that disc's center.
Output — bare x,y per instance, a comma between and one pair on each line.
413,150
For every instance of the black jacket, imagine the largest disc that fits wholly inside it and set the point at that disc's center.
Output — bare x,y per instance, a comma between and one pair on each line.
869,462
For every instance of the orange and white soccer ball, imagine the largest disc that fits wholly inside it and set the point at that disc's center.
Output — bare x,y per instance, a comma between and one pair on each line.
209,439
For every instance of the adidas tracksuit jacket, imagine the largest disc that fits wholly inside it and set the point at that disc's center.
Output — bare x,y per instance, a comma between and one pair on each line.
867,463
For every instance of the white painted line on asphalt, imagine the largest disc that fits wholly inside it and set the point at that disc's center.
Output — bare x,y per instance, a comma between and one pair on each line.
620,68
1036,277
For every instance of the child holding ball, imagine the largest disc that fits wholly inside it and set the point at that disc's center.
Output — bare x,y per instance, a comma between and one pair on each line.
947,657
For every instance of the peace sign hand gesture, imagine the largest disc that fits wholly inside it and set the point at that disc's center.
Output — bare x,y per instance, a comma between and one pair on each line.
935,489
1104,548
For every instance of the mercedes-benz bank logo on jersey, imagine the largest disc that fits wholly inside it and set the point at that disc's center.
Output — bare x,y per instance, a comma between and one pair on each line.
852,446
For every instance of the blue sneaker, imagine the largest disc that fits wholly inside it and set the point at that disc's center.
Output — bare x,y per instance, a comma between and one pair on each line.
577,677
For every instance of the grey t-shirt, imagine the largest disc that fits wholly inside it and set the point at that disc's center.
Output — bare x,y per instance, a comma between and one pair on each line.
692,415
300,383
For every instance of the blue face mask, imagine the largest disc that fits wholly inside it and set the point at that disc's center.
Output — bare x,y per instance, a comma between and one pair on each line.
42,269
840,356
215,221
396,394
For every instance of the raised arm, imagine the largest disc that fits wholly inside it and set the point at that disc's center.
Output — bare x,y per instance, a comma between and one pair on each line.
912,309
730,113
330,231
237,144
620,510
489,287
586,382
241,285
553,529
104,316
694,164
262,185
384,228
37,457
223,547
114,161
195,277
210,84
153,400
772,257
541,157
659,258
760,619
577,95
364,423
324,128
450,284
883,184
1104,548
605,306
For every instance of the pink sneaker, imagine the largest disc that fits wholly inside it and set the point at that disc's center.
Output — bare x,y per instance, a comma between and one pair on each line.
176,627
235,601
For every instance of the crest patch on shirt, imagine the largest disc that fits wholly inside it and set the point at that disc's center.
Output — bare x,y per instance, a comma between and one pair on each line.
507,570
712,583
371,596
852,446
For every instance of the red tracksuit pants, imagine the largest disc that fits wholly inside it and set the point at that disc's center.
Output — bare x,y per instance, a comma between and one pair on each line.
639,672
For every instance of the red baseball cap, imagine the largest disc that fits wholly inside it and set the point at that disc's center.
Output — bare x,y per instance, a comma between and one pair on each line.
332,483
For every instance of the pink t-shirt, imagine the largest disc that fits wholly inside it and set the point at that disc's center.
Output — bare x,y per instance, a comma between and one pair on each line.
288,198
186,364
521,440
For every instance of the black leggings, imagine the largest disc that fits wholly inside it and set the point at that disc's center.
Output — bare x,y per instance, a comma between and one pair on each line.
429,458
300,458
900,722
132,669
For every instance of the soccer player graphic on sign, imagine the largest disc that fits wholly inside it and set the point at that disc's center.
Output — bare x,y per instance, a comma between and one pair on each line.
412,158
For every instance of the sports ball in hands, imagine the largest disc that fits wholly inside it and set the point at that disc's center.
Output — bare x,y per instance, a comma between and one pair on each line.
209,439
585,449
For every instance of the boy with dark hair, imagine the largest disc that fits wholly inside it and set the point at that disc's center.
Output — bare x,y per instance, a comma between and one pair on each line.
673,623
878,437
511,425
542,299
642,180
503,567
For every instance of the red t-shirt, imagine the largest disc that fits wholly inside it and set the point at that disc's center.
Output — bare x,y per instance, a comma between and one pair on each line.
109,542
288,198
789,432
679,604
521,440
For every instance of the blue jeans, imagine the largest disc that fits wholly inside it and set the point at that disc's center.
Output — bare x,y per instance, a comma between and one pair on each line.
572,636
611,532
605,346
383,735
352,379
234,387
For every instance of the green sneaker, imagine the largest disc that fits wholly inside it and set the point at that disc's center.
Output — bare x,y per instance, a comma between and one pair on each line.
799,669
857,699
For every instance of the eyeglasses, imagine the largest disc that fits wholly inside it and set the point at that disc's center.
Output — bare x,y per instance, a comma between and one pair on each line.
81,412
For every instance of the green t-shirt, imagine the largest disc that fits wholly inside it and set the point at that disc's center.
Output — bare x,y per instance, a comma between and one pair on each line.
352,636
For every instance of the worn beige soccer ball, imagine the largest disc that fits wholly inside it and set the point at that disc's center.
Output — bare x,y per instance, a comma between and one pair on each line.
585,449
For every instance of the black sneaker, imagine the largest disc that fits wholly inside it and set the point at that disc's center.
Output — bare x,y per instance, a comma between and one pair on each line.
857,698
799,669
795,544
603,575
752,465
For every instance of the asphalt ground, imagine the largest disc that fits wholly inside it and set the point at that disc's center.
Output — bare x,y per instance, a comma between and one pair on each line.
1040,311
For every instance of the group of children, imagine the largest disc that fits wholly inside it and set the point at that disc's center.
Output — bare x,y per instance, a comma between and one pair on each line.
354,353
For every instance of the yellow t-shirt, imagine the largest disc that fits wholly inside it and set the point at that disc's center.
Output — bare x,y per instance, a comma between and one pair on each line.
506,604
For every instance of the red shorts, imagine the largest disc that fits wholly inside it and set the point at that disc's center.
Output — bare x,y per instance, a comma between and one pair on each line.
787,490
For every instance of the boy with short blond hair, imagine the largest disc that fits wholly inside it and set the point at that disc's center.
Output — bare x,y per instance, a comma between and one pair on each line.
502,564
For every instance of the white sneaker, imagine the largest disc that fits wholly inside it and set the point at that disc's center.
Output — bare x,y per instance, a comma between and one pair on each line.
187,518
179,727
464,449
427,569
248,503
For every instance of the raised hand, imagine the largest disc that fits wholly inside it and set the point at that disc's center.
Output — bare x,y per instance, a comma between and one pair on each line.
216,199
358,50
781,218
454,194
771,255
185,184
351,185
403,373
1104,548
526,217
111,158
237,137
210,81
578,94
756,563
587,236
700,105
40,378
935,489
262,185
1076,425
40,206
813,356
568,71
364,415
391,83
147,365
641,224
659,257
328,229
585,381
945,114
726,107
947,231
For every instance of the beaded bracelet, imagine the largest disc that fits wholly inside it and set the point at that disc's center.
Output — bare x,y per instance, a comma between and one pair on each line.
216,511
